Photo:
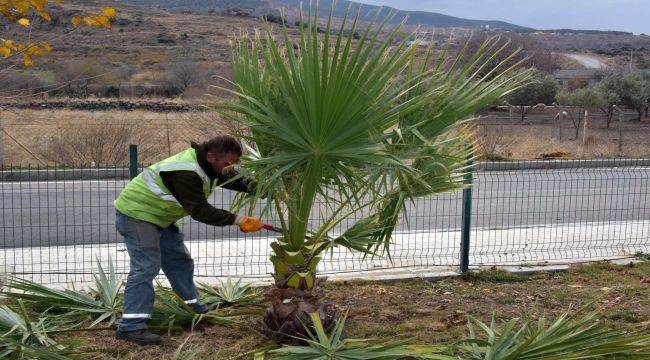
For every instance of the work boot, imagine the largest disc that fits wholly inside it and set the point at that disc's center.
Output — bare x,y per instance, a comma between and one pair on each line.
200,308
140,337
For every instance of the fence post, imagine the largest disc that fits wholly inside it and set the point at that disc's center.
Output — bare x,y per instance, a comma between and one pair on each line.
560,120
620,132
467,212
585,127
133,161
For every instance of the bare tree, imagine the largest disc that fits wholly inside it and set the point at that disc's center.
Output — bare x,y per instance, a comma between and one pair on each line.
79,75
100,144
186,73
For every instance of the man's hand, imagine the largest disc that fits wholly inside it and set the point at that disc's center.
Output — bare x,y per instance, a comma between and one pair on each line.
249,224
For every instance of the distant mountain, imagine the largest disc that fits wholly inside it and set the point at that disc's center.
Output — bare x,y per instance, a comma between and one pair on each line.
260,7
412,17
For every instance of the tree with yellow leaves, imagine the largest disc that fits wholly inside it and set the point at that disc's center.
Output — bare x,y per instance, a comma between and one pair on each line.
20,12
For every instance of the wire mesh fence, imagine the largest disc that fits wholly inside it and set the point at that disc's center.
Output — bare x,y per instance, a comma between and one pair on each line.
55,223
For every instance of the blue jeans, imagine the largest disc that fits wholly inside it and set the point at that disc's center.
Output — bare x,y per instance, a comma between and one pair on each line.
150,249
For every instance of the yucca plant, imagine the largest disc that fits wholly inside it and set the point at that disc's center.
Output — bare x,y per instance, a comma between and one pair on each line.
333,346
228,293
568,337
338,126
102,303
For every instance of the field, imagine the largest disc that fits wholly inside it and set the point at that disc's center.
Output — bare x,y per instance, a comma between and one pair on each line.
537,138
84,138
436,312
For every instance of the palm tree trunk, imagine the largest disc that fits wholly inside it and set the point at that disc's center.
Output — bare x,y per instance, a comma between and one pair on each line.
294,296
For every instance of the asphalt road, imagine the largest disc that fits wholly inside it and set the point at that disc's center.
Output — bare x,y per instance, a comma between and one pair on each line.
81,212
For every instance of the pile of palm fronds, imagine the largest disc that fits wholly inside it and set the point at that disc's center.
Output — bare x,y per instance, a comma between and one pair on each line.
33,311
21,336
568,337
101,303
172,313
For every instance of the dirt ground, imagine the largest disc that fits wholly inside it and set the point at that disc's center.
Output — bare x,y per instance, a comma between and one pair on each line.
81,138
436,312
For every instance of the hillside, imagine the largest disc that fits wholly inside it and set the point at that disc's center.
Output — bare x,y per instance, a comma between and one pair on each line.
254,7
147,43
144,43
411,17
259,7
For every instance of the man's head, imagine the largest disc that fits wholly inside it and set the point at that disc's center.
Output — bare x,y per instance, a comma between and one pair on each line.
223,152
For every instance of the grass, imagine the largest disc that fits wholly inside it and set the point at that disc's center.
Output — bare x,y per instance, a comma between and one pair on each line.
149,130
434,313
104,135
493,276
539,140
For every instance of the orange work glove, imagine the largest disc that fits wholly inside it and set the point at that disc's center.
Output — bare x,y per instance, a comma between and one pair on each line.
249,224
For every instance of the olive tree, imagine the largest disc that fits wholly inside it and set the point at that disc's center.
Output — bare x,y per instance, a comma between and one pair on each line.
542,90
581,100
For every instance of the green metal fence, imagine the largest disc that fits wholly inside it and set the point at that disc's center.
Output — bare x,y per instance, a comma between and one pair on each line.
56,222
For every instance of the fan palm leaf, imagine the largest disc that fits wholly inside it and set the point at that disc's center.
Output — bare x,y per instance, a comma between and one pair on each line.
568,337
333,346
228,293
171,312
21,336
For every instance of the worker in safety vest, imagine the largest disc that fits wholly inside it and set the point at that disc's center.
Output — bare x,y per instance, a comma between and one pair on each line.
148,210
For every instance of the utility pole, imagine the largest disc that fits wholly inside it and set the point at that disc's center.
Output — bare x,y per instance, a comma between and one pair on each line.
631,59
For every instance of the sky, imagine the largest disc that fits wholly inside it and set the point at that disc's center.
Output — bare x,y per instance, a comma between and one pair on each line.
622,15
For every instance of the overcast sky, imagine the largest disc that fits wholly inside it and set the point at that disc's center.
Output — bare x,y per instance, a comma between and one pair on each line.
623,15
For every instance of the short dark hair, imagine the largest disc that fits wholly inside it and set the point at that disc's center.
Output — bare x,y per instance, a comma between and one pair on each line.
225,144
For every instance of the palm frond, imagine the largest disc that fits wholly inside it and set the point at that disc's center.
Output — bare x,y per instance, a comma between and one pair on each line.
228,293
321,345
22,337
171,312
568,337
102,304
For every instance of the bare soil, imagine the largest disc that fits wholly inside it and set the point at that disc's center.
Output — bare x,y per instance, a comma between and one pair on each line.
435,312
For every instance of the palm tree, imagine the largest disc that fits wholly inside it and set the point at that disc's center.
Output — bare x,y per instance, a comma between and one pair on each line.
349,126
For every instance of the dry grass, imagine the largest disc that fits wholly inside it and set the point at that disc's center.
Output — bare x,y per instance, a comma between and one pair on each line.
436,312
70,137
81,138
530,141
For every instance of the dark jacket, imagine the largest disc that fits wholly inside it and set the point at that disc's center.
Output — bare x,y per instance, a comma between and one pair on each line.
187,188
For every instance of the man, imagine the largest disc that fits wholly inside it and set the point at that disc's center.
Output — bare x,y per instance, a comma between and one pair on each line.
148,210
